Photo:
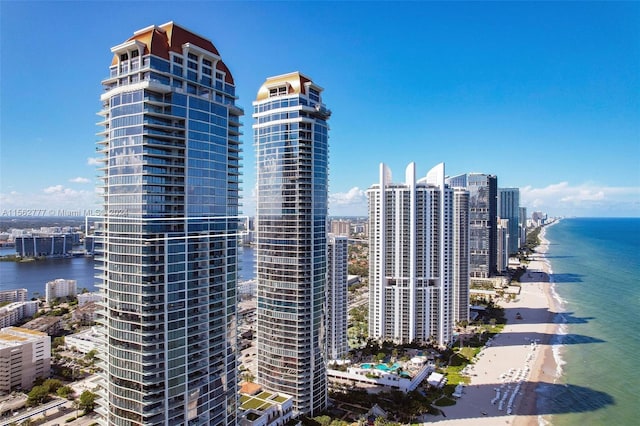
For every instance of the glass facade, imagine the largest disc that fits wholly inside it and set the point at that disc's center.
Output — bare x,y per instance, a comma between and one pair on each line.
483,221
167,247
509,208
291,140
337,295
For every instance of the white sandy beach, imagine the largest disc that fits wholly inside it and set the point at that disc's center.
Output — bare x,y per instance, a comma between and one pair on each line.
512,358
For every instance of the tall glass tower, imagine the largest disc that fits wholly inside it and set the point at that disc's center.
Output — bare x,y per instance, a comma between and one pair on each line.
509,208
167,252
291,141
483,221
337,295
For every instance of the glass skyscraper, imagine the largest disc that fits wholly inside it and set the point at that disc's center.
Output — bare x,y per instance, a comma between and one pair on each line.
337,295
291,141
509,208
167,245
483,221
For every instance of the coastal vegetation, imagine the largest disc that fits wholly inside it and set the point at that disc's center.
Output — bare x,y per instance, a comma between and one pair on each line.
532,241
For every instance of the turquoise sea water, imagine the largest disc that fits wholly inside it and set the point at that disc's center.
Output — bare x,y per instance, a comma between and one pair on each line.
596,273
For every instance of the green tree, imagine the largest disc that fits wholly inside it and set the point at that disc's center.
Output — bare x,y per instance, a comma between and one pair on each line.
323,420
38,395
65,392
52,385
91,355
76,406
57,342
88,401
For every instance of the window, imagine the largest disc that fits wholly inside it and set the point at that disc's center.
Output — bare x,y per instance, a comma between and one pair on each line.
177,59
135,54
314,95
124,57
278,91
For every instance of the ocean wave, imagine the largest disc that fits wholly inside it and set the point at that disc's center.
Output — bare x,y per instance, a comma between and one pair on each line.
557,343
559,302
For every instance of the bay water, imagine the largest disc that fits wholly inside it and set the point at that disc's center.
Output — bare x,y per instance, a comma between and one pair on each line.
34,275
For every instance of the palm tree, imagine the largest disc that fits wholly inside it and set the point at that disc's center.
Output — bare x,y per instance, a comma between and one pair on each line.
76,405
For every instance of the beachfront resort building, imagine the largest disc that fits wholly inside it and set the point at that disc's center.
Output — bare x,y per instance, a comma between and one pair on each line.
25,355
483,217
412,257
509,208
167,248
337,293
291,141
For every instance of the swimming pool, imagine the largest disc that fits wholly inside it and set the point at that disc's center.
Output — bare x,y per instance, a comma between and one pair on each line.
381,367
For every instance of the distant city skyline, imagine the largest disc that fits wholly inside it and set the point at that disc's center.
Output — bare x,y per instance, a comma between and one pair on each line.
543,95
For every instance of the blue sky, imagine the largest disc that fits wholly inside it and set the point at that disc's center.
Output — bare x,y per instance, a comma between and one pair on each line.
544,95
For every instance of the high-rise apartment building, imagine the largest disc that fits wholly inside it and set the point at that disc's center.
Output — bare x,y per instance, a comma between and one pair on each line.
503,245
509,208
60,288
522,223
460,242
167,245
483,221
337,293
291,143
416,233
341,227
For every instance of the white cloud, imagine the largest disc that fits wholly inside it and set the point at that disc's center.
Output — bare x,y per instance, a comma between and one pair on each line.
350,203
93,161
587,199
51,199
79,180
54,189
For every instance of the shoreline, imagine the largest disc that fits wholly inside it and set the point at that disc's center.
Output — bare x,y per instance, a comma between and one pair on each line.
507,373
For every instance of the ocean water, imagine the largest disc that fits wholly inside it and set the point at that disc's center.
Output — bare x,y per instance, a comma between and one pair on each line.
595,266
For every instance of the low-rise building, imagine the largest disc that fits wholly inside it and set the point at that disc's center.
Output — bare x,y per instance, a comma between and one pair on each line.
87,313
84,298
262,408
15,312
84,341
405,376
17,295
49,325
24,356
